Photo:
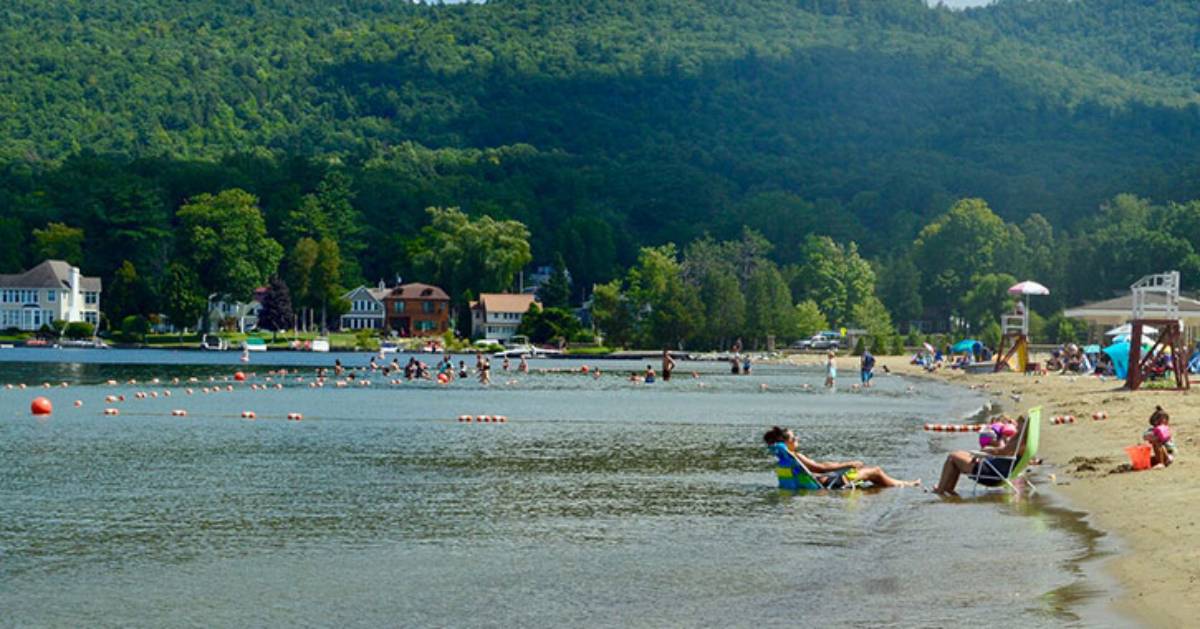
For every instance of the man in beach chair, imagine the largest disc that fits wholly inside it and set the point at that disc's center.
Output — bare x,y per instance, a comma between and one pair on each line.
994,466
796,471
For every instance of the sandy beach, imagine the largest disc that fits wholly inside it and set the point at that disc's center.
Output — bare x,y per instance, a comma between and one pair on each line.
1152,513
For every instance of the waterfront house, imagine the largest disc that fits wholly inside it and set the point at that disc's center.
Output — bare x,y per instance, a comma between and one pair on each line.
497,316
237,315
417,309
366,308
51,291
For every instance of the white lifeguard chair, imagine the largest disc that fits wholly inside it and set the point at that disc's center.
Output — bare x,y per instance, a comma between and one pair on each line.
1156,303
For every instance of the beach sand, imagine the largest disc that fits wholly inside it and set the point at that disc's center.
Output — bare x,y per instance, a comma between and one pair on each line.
1153,513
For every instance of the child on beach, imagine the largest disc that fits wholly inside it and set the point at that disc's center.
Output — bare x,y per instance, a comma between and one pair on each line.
831,370
1159,438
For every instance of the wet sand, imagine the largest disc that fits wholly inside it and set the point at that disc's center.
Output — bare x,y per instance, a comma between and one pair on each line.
1152,513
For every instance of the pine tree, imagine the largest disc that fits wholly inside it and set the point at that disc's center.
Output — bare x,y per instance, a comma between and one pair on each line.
556,292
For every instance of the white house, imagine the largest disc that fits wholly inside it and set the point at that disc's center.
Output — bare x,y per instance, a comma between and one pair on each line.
243,314
498,315
366,308
51,291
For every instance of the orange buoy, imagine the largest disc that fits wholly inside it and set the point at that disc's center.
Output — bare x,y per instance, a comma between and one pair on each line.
464,418
248,415
179,412
239,376
501,418
41,406
295,417
111,411
78,403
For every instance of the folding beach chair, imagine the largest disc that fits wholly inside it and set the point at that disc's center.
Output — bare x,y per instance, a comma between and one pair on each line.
989,474
794,476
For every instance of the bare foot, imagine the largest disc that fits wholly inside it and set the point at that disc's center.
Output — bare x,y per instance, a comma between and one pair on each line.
910,483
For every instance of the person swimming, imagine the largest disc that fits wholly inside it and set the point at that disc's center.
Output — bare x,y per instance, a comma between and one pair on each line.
650,376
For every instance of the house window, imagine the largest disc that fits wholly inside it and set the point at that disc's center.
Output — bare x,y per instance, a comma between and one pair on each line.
51,294
91,317
399,306
427,306
91,297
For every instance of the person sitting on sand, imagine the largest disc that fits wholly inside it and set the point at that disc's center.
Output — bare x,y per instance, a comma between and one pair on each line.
827,472
1159,437
963,462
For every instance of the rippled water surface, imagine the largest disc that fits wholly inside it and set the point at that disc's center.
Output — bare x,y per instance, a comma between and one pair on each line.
600,502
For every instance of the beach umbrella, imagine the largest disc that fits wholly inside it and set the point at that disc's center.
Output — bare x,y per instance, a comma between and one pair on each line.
965,345
1028,287
1119,353
1127,329
1091,349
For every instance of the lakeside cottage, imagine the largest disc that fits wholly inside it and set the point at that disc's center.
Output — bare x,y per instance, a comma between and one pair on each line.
497,316
366,308
417,309
241,315
51,291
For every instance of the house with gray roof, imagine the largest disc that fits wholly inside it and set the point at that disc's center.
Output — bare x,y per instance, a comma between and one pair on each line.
366,308
51,291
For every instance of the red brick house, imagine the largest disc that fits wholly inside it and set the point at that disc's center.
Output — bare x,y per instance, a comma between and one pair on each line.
417,310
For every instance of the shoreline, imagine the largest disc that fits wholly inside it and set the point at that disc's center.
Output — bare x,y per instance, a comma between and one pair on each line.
1142,512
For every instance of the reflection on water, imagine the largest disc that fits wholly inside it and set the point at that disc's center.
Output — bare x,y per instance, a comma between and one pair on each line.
600,501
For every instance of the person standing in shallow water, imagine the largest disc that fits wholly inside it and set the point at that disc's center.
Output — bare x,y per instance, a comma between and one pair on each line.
831,370
668,365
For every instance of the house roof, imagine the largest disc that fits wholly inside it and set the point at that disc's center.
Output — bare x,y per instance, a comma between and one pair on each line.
417,290
375,293
505,302
49,274
1120,309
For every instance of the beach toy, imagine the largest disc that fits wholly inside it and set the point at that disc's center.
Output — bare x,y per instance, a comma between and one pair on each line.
111,411
295,417
179,412
1139,456
1099,415
1162,433
41,406
239,376
248,415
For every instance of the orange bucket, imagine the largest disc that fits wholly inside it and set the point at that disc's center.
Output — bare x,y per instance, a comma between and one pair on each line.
1139,456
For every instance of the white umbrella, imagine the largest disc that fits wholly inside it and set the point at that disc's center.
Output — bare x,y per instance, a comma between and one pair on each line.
1127,329
1028,287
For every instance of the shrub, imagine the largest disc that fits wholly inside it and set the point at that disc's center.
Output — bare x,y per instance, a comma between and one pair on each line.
135,328
79,330
860,346
897,346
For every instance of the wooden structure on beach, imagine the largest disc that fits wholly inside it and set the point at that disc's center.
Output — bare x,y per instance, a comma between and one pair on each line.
1161,313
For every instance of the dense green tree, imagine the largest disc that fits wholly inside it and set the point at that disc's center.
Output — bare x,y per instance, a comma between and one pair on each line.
12,234
724,307
987,300
224,238
834,276
460,253
769,307
956,248
809,319
556,292
59,242
550,325
183,298
614,314
127,294
871,315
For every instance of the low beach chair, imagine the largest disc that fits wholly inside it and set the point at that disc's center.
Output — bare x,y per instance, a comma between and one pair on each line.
793,475
989,475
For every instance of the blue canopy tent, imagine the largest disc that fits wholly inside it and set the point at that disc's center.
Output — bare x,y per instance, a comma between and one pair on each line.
1119,353
967,346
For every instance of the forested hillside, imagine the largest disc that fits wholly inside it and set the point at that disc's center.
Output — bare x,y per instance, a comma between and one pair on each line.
602,125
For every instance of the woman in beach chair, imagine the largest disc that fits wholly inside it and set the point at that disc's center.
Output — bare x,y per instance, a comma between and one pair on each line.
994,465
796,471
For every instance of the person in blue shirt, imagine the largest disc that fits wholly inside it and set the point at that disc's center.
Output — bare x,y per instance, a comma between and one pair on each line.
783,442
866,368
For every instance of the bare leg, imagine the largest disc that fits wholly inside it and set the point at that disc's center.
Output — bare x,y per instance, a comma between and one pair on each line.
1158,457
880,478
957,463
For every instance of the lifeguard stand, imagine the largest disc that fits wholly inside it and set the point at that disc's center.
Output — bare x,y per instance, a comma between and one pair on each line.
1164,314
1016,331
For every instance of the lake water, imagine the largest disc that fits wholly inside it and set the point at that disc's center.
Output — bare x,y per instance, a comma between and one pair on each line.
600,502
